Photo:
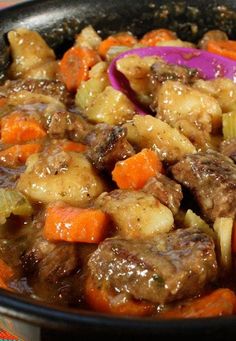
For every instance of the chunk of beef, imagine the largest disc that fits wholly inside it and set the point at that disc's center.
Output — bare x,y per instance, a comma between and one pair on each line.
50,261
63,124
108,144
161,72
166,190
54,89
162,269
228,148
9,176
211,177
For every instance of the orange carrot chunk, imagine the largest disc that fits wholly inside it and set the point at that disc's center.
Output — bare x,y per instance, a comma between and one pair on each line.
3,101
134,172
225,48
18,128
70,146
5,274
74,224
101,300
18,154
219,302
120,39
75,65
153,37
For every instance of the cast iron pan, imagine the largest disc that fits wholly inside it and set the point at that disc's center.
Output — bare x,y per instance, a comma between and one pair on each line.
58,21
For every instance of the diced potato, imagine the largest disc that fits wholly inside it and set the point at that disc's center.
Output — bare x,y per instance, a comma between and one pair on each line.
88,38
223,228
223,89
114,51
110,106
136,214
175,43
29,51
49,71
150,132
88,92
137,71
191,219
229,125
99,71
74,182
176,101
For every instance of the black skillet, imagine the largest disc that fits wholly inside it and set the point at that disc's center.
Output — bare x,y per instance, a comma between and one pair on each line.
58,21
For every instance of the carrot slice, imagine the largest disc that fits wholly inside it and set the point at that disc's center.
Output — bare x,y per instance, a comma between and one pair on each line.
100,299
219,302
225,48
18,128
153,37
120,39
70,146
134,172
5,274
18,154
74,224
3,101
75,65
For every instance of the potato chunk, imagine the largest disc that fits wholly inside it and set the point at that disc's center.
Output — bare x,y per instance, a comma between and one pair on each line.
111,107
176,101
68,177
150,132
135,213
223,89
29,51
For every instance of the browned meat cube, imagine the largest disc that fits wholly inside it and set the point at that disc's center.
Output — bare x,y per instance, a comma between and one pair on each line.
211,177
162,269
167,191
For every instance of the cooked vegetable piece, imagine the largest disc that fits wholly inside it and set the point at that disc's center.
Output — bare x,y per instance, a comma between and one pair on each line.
102,300
74,224
5,275
135,171
223,228
3,101
150,132
111,107
61,176
13,202
191,219
220,302
212,35
136,214
29,51
18,154
152,38
18,128
225,48
88,38
229,125
120,39
75,65
70,146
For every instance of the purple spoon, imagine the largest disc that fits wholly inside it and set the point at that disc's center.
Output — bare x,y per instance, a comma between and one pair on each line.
208,64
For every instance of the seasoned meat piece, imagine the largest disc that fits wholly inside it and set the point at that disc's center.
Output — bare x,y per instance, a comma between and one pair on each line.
211,177
166,190
228,148
162,269
161,72
66,124
54,89
108,144
50,261
211,35
9,176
